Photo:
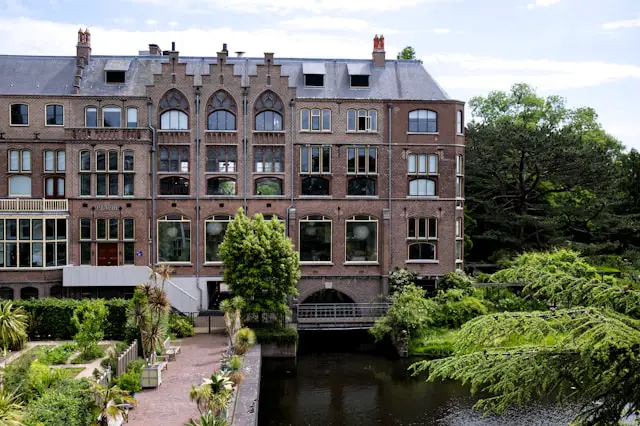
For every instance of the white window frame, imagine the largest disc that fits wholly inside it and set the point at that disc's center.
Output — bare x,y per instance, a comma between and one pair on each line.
179,219
86,110
309,154
214,219
31,241
174,114
324,122
435,187
367,157
429,117
46,106
112,108
21,162
361,219
367,114
316,218
429,223
415,162
135,111
459,122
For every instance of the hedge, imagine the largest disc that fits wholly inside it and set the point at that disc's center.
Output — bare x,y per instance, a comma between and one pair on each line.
50,318
280,336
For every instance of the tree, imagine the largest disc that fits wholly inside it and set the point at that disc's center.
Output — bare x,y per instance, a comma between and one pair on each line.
13,326
89,318
260,263
407,53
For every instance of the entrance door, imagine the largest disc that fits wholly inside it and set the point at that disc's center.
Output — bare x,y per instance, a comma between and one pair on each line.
213,288
107,254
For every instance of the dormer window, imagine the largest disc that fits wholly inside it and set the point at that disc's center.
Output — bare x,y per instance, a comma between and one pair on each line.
359,81
114,77
314,80
313,74
359,75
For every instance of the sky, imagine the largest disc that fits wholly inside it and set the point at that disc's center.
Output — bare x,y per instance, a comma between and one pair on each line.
587,51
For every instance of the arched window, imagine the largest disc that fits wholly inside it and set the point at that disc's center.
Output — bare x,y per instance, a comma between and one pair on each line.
268,186
269,112
315,239
221,186
362,186
174,185
362,239
174,110
174,239
422,251
423,121
315,186
422,187
214,229
222,111
6,293
28,293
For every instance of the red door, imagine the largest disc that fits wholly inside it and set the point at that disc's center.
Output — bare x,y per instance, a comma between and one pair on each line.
107,254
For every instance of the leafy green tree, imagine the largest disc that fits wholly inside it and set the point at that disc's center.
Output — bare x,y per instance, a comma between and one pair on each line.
400,278
261,265
407,53
89,318
13,326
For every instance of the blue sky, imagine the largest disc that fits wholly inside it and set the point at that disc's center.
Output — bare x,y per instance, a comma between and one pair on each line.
587,51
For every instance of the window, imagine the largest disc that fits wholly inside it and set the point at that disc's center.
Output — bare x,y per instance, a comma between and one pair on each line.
221,186
33,242
459,240
364,186
214,229
174,159
55,115
422,187
107,229
174,239
114,77
85,229
91,117
361,160
315,159
85,175
422,164
314,80
269,111
54,187
359,81
174,120
19,161
268,186
19,186
422,228
174,185
222,111
362,120
85,161
423,121
422,251
19,115
362,239
54,161
111,116
106,183
315,239
221,159
459,176
128,235
85,241
221,120
315,186
268,159
459,123
129,173
315,120
132,117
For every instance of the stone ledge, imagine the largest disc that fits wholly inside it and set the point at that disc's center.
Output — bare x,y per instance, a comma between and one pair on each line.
245,411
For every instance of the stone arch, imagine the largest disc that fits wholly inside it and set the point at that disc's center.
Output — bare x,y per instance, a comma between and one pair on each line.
6,293
173,99
56,291
328,295
221,99
29,293
269,100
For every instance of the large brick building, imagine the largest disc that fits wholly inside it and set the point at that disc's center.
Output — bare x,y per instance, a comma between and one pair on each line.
116,163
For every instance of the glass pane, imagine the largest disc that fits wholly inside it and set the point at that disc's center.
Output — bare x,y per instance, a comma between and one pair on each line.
85,253
422,163
362,245
304,119
11,255
315,186
111,117
26,161
50,229
37,260
100,160
361,161
182,121
269,187
128,229
315,241
431,187
12,229
373,120
20,185
411,167
24,255
85,184
304,159
361,186
85,229
412,228
25,229
36,229
101,229
214,236
48,183
221,186
113,184
91,117
351,120
326,119
351,160
433,228
85,161
101,184
315,160
132,117
174,241
129,254
49,157
433,164
128,184
128,161
61,254
50,254
113,229
315,119
61,229
372,160
422,228
14,161
113,161
61,157
326,159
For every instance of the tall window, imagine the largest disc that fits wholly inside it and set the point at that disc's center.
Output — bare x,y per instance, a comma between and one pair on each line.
91,117
33,242
19,184
214,229
129,237
174,185
107,229
107,176
174,239
268,186
222,111
362,120
111,116
19,115
268,159
269,111
422,234
174,120
132,117
54,163
315,120
174,111
459,123
221,186
221,159
19,161
85,241
128,173
422,164
362,160
459,243
55,115
315,239
174,159
85,173
106,168
362,239
422,187
423,121
459,176
315,159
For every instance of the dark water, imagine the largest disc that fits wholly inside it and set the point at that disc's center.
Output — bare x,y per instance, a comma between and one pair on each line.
356,388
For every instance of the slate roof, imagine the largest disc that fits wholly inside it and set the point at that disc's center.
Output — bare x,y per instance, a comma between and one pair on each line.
47,75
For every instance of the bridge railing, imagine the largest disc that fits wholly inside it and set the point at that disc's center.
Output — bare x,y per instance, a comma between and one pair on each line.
340,310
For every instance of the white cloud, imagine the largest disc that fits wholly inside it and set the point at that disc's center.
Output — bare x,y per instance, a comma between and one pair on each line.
626,23
173,24
335,24
467,71
542,3
150,22
441,30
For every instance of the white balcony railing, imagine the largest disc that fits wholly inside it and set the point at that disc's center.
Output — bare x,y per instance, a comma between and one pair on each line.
33,205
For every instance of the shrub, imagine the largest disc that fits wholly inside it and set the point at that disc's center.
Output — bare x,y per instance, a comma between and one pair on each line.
245,338
41,378
91,353
435,344
279,336
130,381
68,404
457,280
400,278
455,308
180,326
58,355
89,318
137,365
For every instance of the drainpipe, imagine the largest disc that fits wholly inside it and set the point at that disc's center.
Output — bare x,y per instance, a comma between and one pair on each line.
292,104
198,195
244,146
389,111
153,184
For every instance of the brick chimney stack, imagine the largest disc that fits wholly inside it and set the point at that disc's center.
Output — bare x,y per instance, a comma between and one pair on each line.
378,51
223,54
83,48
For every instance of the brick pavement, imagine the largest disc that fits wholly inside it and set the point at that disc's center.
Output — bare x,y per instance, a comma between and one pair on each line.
169,405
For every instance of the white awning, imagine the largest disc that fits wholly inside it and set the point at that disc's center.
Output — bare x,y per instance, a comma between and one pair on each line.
363,68
313,68
117,65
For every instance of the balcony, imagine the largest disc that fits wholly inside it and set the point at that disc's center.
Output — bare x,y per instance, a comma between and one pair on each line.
174,136
108,134
268,138
230,138
33,205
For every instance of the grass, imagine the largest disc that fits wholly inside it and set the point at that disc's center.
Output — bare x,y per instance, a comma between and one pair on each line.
80,359
58,355
74,370
437,343
34,352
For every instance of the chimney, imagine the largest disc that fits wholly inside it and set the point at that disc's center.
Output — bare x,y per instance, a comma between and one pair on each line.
239,53
154,50
173,53
222,55
83,48
268,58
378,51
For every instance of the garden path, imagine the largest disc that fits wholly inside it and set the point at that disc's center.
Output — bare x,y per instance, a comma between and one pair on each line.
169,405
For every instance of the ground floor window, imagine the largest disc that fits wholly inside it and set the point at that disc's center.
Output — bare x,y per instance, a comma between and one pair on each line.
362,239
422,251
33,242
174,239
315,239
214,229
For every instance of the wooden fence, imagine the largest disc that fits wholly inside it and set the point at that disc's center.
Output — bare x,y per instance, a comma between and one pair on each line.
105,379
130,354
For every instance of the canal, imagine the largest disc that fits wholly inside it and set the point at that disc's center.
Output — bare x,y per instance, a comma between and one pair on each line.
341,379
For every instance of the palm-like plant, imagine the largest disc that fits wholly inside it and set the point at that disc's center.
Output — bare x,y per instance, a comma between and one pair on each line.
208,419
13,325
110,403
162,270
10,409
213,394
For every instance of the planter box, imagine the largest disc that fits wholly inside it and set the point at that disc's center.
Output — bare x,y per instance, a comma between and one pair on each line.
275,350
151,376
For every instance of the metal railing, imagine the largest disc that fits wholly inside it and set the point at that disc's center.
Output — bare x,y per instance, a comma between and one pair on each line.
33,205
340,310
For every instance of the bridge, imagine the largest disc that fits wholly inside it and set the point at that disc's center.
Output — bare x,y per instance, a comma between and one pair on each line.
337,316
